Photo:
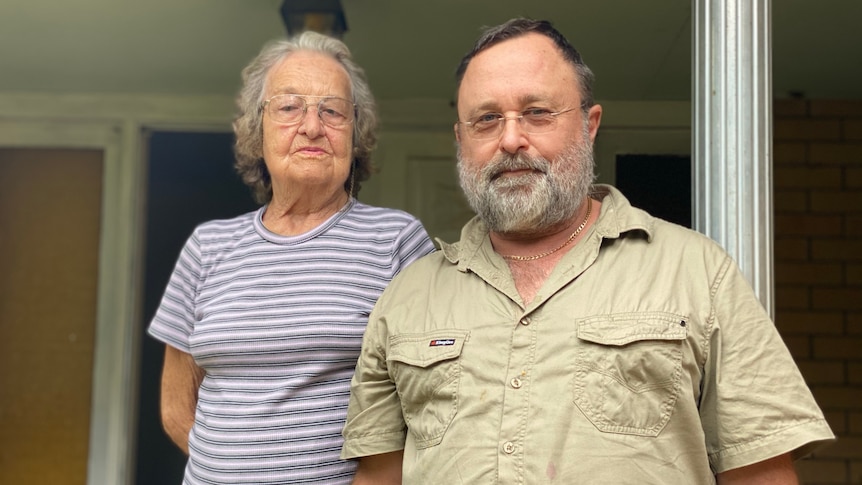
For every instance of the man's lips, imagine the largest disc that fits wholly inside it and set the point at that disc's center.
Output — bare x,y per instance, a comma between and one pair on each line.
514,172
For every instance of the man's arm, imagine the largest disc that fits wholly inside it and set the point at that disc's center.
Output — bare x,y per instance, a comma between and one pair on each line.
382,469
774,471
181,378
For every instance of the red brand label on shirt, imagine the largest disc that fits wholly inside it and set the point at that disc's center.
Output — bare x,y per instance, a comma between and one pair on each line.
441,342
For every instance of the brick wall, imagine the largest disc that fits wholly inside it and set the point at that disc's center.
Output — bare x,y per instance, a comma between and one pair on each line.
818,268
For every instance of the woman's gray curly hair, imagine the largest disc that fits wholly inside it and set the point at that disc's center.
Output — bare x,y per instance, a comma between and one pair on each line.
248,125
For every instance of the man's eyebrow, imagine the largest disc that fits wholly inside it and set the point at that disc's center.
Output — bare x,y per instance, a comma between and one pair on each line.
486,106
493,106
533,98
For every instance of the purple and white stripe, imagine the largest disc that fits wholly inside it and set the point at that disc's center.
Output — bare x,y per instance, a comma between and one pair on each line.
277,324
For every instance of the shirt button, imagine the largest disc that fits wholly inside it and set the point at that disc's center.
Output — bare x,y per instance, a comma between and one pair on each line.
516,383
509,447
525,321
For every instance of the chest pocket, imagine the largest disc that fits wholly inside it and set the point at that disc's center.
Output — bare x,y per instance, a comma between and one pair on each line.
426,369
628,370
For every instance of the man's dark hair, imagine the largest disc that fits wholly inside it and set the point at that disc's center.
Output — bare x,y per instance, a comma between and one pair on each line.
521,26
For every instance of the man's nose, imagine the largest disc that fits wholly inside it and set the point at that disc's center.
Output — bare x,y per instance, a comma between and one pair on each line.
513,137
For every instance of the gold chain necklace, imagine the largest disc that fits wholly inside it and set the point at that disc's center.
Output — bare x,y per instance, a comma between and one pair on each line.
568,241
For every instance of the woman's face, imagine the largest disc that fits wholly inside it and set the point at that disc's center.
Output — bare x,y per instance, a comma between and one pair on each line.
308,156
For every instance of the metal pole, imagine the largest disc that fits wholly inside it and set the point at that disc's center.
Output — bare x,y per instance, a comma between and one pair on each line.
732,143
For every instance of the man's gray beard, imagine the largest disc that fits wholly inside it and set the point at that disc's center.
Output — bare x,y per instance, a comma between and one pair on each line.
532,202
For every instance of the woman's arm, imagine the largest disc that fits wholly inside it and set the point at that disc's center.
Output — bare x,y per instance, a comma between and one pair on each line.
181,378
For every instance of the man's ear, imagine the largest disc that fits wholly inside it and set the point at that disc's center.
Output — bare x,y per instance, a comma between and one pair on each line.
595,119
457,133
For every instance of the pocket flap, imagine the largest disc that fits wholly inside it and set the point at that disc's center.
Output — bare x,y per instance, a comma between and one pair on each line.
622,329
424,349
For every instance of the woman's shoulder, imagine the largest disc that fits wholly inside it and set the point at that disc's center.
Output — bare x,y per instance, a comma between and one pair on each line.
227,227
362,210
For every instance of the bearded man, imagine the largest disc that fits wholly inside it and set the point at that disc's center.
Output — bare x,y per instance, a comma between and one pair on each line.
568,337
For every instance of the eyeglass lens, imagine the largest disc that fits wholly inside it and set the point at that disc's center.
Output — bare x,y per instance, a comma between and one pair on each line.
290,109
490,125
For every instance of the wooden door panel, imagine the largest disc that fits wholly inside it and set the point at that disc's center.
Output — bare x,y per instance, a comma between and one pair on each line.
50,203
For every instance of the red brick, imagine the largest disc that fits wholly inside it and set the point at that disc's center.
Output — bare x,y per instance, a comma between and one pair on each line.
854,323
790,249
805,177
854,423
838,348
853,274
823,472
819,454
837,421
838,397
809,323
791,298
848,447
835,153
800,347
852,129
853,178
782,108
789,153
844,202
835,107
853,225
809,225
816,373
807,129
854,373
838,299
836,249
790,201
808,273
855,473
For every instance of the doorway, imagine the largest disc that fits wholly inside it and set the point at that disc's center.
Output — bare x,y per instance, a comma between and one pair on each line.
190,179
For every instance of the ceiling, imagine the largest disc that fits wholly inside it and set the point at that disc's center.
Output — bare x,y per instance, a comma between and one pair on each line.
639,50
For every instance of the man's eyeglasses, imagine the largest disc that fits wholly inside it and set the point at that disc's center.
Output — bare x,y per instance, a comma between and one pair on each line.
533,120
289,109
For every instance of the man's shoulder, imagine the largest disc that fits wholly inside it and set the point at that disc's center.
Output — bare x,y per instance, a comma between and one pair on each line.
431,263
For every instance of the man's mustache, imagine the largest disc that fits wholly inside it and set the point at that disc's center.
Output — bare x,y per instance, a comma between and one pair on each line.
508,162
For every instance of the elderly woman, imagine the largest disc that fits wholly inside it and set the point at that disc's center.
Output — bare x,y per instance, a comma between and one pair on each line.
264,314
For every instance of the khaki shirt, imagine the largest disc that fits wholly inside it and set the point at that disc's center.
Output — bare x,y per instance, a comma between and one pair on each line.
645,358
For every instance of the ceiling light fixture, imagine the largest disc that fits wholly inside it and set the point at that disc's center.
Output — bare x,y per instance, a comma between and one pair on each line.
324,16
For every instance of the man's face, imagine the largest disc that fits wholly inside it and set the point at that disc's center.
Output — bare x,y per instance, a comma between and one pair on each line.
521,182
546,194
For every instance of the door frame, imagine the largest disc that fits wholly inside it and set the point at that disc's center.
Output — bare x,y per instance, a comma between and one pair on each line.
116,124
113,403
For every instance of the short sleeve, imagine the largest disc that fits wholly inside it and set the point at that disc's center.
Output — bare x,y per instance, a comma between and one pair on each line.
411,244
174,320
755,403
375,423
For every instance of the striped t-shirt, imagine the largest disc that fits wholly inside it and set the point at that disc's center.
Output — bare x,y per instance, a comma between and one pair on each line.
277,322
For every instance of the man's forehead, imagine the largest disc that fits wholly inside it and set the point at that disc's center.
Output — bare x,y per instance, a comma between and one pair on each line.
531,59
495,94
